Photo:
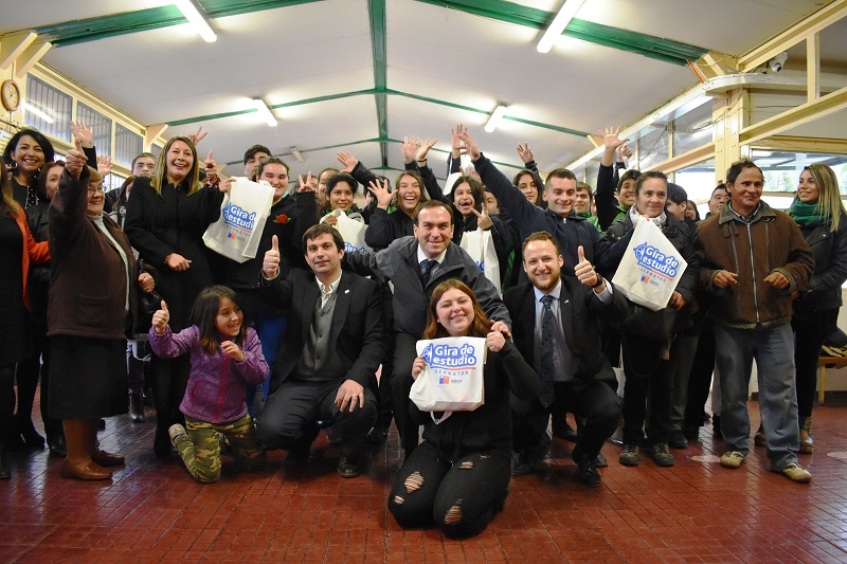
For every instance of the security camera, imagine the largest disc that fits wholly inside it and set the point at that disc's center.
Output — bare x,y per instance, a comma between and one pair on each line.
777,62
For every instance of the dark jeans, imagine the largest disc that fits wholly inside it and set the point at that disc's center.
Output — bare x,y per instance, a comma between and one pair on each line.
288,420
810,332
700,377
461,499
401,385
647,374
597,404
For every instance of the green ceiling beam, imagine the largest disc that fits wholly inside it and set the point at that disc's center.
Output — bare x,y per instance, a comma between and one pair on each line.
658,48
92,29
376,8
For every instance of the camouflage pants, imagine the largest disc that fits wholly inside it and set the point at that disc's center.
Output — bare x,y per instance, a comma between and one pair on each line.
201,449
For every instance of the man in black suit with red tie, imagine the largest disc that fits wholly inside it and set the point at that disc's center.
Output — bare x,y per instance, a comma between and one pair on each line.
556,328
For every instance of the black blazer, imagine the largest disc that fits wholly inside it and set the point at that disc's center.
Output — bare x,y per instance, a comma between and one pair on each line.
581,311
358,333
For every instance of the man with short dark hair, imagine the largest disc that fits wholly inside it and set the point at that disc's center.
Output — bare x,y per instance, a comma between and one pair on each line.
330,352
252,157
753,259
575,376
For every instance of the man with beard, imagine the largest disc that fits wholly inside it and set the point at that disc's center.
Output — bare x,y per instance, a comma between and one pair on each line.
556,328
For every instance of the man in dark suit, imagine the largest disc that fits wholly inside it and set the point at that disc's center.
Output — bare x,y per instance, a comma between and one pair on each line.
555,323
330,353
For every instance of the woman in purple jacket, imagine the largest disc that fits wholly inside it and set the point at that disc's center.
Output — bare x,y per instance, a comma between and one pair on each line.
224,355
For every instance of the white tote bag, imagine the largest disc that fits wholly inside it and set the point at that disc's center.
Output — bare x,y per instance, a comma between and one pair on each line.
352,231
244,211
480,245
452,378
650,269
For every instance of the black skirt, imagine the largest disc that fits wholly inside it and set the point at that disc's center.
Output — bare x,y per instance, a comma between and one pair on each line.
87,378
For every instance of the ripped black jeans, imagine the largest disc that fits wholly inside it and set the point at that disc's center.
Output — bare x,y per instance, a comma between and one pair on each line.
461,498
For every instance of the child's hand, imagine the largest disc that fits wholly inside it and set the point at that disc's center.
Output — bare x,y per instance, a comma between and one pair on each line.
417,367
161,318
234,352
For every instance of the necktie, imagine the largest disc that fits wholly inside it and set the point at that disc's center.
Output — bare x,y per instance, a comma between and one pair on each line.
548,329
426,270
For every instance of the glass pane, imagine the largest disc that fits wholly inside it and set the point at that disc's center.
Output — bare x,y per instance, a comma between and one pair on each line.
693,129
99,124
652,148
46,109
156,150
128,145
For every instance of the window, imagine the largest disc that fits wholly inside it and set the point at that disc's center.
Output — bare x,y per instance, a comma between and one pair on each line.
128,145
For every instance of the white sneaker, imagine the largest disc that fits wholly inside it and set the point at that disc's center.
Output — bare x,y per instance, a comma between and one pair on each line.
794,472
732,459
176,432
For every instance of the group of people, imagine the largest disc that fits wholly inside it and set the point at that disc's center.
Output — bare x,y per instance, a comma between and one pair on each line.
264,354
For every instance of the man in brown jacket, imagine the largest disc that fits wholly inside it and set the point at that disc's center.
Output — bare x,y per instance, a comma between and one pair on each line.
752,259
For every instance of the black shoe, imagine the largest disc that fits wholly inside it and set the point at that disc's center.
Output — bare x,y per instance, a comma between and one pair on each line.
562,430
5,471
347,469
691,433
525,461
377,434
677,439
30,436
661,455
57,446
716,427
136,408
587,473
601,461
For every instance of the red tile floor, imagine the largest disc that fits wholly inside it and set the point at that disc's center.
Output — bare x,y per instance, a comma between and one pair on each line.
152,511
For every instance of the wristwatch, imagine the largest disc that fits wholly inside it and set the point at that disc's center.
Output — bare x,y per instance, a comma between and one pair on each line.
599,282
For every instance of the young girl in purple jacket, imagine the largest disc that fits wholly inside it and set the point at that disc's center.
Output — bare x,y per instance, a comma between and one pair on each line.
224,355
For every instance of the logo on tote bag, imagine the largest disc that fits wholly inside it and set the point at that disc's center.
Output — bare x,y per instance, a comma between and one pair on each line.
456,360
655,261
239,218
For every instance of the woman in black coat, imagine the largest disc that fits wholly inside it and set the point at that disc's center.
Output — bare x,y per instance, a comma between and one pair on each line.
165,221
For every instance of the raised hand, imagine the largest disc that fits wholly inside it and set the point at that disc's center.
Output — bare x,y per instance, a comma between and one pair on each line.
525,153
270,264
381,193
104,165
226,185
198,136
424,149
456,143
409,148
584,270
501,327
611,138
495,341
483,221
305,186
161,318
211,168
84,133
233,351
348,160
470,144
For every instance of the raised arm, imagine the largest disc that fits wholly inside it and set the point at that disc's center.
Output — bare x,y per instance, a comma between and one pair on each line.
604,198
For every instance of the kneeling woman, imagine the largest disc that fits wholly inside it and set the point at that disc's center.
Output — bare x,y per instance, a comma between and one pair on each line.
458,477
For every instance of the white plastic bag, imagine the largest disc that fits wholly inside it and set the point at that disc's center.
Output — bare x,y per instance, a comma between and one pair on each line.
452,378
650,269
480,245
351,230
244,211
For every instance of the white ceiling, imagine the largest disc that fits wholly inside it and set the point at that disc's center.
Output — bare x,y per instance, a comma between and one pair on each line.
324,48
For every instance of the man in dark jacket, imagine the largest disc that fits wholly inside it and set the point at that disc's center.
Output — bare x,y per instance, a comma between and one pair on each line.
330,352
574,374
753,259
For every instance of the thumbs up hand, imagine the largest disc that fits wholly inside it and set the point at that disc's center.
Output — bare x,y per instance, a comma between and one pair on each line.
270,264
211,168
584,270
75,160
161,318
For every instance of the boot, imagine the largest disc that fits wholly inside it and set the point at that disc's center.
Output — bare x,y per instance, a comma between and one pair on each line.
80,437
24,427
806,443
136,407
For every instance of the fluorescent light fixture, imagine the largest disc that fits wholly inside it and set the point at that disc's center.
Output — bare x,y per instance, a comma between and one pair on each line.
495,118
196,19
265,112
295,152
37,112
558,25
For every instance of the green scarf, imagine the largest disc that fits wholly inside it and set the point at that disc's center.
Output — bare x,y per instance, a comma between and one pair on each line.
806,215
